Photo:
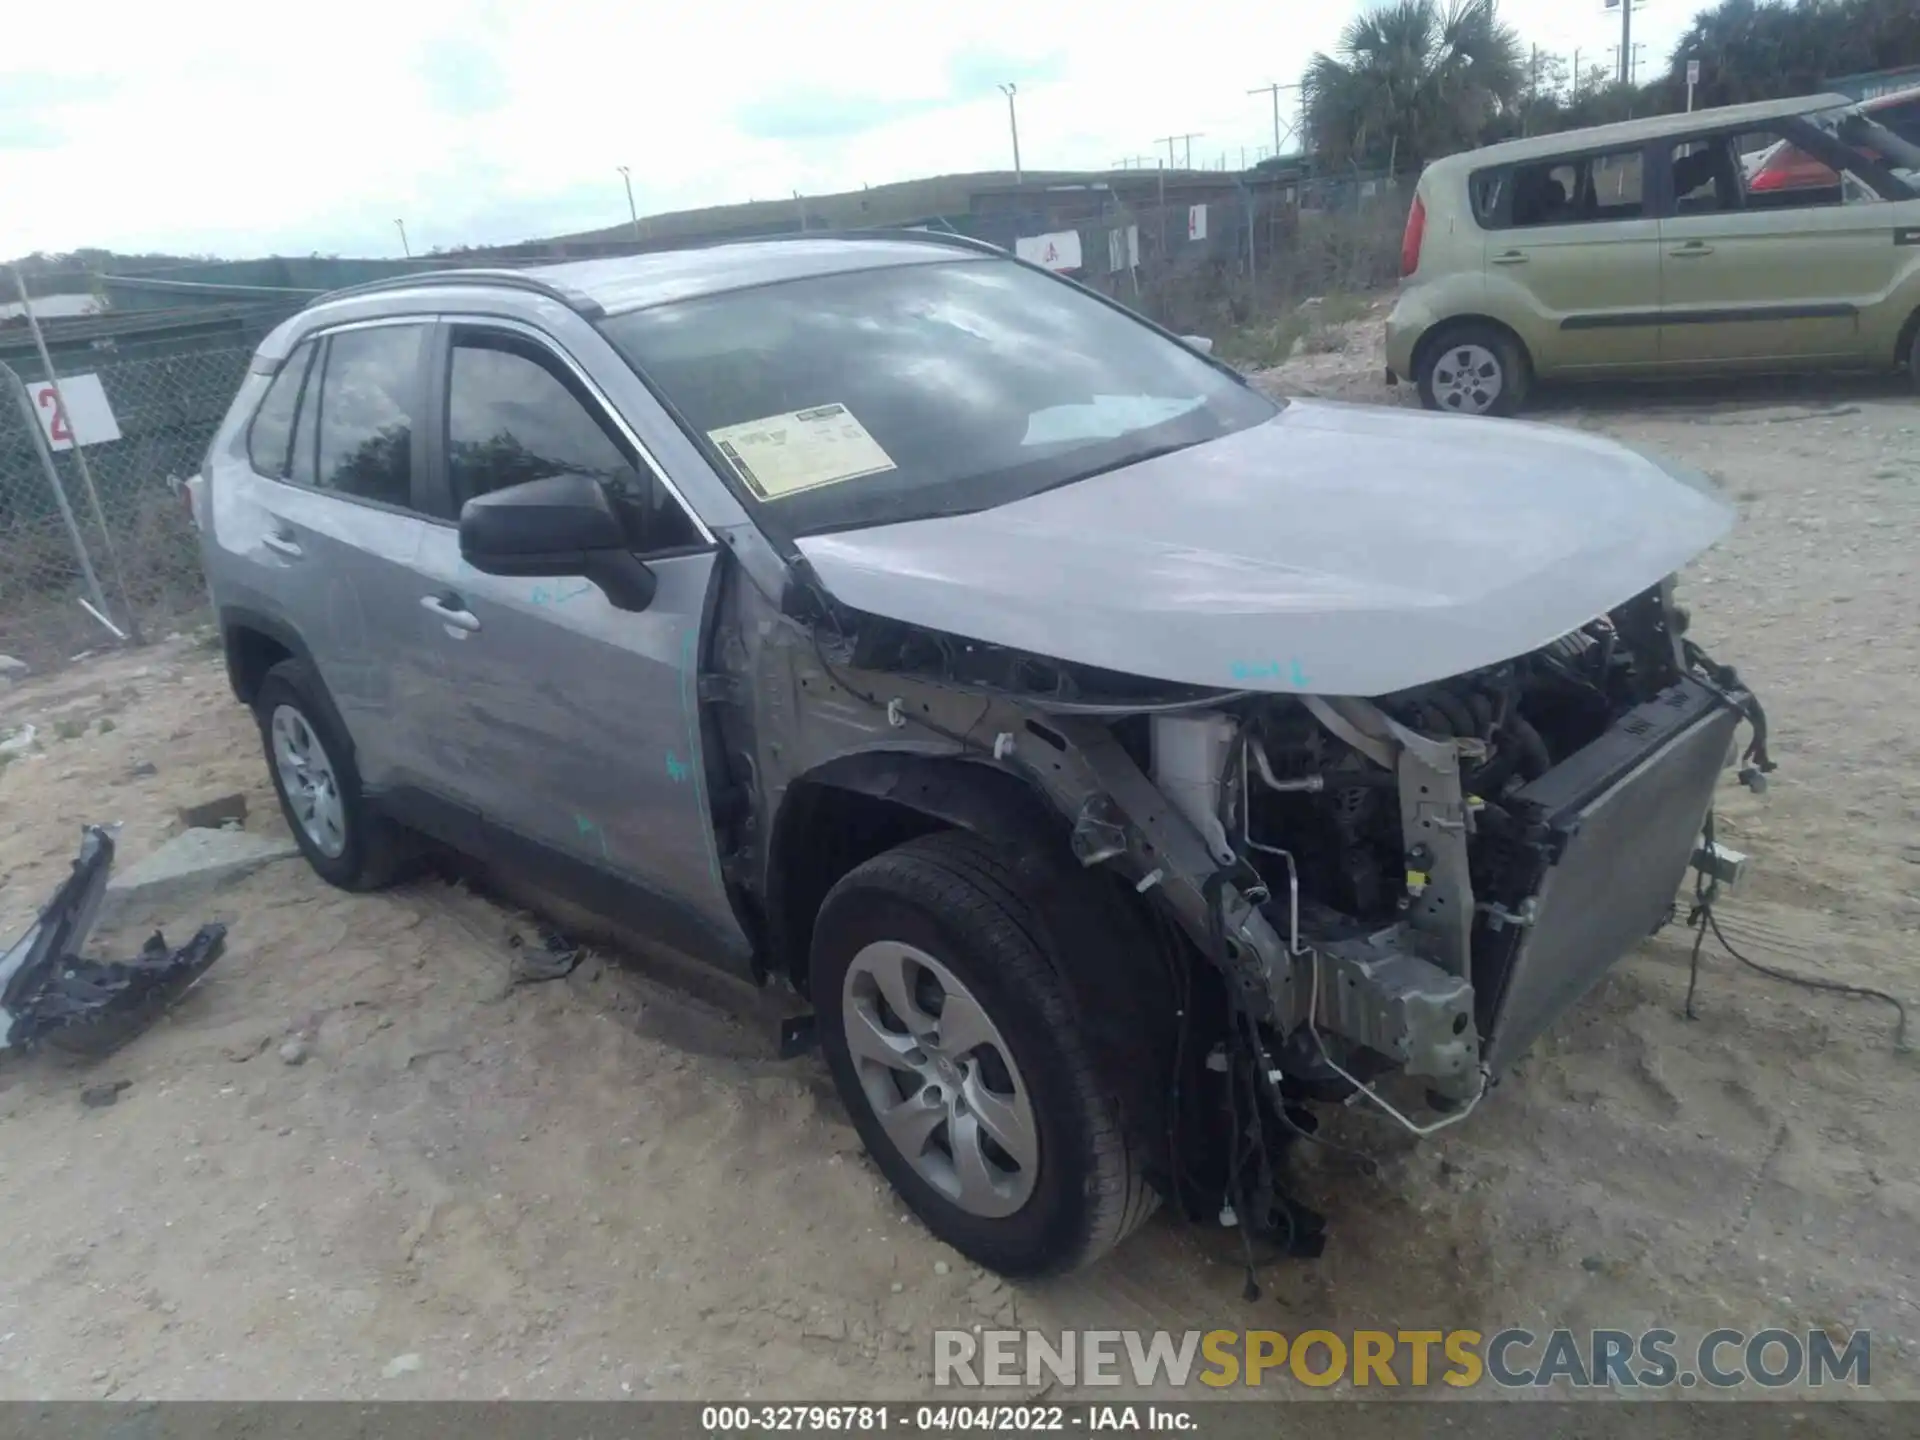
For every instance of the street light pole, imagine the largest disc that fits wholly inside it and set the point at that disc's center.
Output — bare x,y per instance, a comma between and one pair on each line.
405,248
1013,123
627,176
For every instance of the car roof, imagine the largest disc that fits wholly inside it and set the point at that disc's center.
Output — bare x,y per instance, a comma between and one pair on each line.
1639,132
633,282
1891,99
623,283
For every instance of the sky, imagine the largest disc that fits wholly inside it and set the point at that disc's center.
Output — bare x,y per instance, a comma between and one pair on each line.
233,128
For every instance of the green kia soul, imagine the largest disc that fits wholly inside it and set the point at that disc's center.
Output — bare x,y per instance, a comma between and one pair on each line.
1676,245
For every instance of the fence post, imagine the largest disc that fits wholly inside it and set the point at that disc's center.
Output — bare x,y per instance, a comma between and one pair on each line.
79,458
45,453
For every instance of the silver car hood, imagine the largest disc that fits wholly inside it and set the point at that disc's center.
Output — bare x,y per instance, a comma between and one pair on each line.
1335,549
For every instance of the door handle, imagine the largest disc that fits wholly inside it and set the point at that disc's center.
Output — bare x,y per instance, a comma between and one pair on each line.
448,610
1511,257
282,545
1692,250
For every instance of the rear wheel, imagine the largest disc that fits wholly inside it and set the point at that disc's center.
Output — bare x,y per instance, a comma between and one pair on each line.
1913,356
1472,370
318,785
966,1068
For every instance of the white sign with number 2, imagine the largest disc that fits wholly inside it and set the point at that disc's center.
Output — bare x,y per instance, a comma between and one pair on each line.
89,418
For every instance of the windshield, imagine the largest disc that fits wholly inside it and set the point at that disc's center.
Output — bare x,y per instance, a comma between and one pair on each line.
875,396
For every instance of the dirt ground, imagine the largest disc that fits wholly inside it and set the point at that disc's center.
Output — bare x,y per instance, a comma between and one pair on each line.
603,1186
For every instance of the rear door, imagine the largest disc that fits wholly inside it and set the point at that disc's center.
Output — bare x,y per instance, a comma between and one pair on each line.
1573,258
566,723
1772,262
327,520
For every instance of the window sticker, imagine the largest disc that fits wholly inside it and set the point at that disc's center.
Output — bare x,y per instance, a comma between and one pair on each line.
785,455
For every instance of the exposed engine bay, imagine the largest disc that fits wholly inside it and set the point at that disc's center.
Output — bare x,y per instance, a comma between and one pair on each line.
1418,883
1386,898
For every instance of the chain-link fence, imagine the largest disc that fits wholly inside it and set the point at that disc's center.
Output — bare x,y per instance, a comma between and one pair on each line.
128,534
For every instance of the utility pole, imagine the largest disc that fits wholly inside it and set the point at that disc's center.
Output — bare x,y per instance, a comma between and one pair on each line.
1187,139
1575,93
405,248
1274,89
627,175
1626,42
1013,124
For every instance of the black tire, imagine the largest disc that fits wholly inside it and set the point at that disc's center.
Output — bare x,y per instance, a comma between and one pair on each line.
374,850
1913,356
983,913
1515,374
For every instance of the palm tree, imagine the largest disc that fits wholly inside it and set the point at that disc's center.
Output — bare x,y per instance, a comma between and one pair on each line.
1413,79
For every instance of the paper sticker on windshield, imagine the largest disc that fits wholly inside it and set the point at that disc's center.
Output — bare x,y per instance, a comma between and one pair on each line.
785,454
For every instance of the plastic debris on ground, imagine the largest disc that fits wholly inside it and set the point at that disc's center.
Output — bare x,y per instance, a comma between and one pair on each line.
50,993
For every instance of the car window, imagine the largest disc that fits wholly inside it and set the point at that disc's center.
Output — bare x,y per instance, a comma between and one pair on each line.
1779,175
1486,190
1706,177
369,398
514,414
272,429
1578,190
940,387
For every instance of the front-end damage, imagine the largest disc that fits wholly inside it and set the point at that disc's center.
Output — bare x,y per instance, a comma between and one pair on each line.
1413,885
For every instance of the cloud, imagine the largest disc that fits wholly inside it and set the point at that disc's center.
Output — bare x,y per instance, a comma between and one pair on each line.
980,70
193,127
463,78
821,115
34,106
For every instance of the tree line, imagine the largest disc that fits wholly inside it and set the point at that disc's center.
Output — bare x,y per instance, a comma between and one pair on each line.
1413,80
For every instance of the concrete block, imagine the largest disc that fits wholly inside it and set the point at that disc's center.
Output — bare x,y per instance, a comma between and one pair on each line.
186,871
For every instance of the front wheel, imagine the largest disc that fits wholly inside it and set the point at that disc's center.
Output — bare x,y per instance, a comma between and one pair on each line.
965,1067
1472,370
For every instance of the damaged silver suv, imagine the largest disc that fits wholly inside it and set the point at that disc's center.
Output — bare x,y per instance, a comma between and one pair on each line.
1120,761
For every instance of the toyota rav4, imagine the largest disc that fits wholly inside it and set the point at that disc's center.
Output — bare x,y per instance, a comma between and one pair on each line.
1120,762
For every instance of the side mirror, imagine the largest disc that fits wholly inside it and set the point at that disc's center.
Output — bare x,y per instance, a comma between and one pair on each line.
562,525
1202,343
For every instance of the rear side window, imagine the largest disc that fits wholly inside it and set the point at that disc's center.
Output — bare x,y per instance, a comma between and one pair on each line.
271,432
1578,190
369,399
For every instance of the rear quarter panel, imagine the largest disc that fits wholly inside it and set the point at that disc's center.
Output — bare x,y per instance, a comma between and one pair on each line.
1451,280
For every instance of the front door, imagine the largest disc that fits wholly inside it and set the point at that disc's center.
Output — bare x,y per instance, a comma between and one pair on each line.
567,724
1755,273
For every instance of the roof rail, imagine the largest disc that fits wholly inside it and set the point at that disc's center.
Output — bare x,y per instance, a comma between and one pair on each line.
503,279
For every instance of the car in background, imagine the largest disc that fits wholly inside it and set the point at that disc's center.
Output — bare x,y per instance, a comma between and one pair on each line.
1651,249
1785,166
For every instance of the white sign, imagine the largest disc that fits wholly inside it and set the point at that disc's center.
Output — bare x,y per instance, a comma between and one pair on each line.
1123,248
1058,251
785,454
1693,72
1196,222
89,419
